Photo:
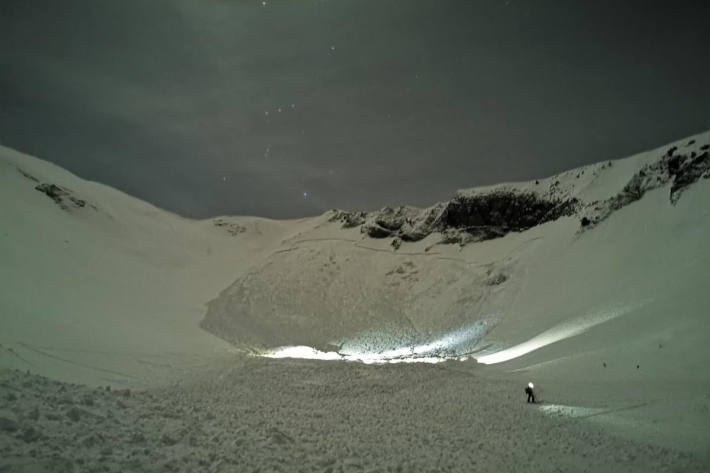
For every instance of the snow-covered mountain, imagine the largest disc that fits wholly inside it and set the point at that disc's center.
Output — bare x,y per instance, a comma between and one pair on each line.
594,279
467,270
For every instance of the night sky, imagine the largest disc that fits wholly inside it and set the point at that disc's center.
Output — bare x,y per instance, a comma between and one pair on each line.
287,108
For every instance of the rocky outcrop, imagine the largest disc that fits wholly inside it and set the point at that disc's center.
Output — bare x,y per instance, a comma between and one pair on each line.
477,215
61,196
494,214
463,219
678,170
686,171
349,219
232,228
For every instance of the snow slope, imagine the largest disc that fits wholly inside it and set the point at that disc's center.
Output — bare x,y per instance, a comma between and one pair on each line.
611,316
113,290
332,286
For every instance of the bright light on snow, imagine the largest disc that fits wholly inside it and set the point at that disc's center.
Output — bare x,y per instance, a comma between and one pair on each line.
555,334
393,356
445,348
441,349
307,353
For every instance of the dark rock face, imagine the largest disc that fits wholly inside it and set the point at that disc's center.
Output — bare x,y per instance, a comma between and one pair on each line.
376,231
680,170
484,215
60,196
489,215
687,172
349,219
396,222
462,219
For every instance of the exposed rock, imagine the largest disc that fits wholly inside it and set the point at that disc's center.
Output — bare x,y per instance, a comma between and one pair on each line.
496,279
230,227
497,213
60,196
689,172
463,219
484,215
349,219
681,170
393,219
375,231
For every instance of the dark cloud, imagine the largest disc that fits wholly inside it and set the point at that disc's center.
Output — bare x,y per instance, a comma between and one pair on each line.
209,107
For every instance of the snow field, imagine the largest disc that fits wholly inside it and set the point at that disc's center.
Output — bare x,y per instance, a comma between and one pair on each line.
302,416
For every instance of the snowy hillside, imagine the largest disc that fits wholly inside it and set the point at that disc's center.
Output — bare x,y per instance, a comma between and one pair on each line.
401,277
603,300
99,286
593,282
